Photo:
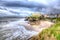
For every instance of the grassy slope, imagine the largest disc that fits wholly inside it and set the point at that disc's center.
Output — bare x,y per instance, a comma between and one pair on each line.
52,33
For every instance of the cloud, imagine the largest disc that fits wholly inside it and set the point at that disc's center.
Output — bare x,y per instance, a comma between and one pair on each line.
14,12
33,5
46,2
22,3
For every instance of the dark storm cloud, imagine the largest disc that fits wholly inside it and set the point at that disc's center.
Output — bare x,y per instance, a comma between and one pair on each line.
23,4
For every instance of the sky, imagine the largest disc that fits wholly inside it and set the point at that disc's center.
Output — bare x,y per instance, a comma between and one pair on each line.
46,2
27,6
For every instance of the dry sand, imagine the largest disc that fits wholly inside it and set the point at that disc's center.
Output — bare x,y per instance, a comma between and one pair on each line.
37,28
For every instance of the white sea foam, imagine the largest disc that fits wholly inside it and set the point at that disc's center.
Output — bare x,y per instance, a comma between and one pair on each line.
14,31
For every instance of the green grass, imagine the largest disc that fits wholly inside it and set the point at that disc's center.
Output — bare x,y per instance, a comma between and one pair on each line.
51,33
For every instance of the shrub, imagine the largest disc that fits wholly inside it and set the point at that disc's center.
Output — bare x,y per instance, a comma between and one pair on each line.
35,17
